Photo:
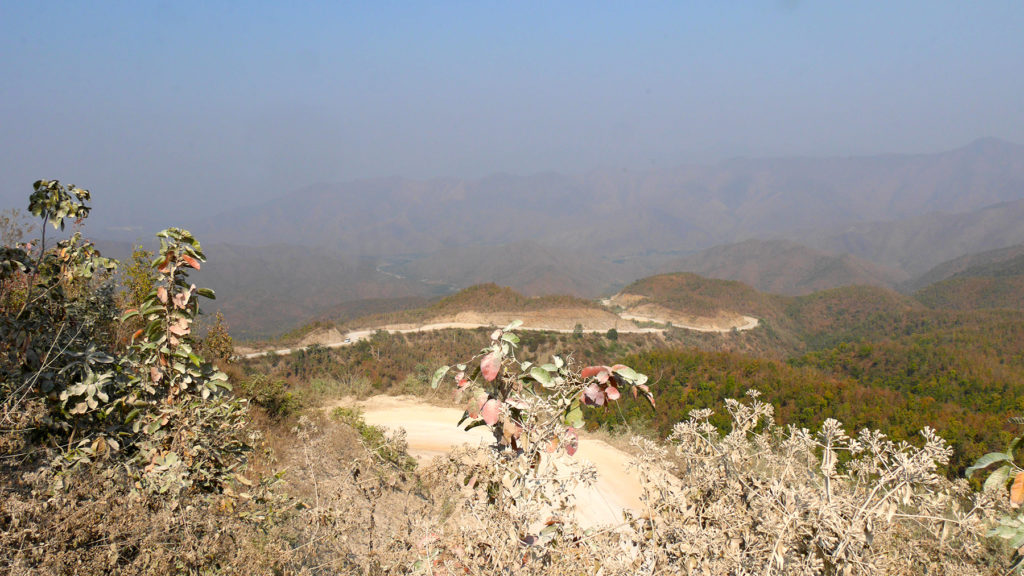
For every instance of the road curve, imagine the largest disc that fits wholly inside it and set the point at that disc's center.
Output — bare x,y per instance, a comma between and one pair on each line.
432,431
356,335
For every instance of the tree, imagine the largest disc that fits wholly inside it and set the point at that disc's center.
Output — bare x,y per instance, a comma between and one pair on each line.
534,411
612,334
156,409
138,277
218,344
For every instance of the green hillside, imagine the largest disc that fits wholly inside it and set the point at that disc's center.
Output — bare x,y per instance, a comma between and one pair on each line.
998,284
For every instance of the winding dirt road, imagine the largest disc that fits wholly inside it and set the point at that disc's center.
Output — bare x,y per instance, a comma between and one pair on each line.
357,335
431,431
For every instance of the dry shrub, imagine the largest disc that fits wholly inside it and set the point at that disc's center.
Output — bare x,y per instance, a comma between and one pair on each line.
761,499
770,500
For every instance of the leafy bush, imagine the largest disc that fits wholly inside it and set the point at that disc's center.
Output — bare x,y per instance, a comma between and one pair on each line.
1007,473
534,411
157,407
271,394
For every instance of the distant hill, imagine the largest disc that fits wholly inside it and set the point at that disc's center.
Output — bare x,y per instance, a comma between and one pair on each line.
917,244
528,267
618,214
993,279
784,267
987,263
847,313
268,290
698,296
352,309
793,323
331,244
499,305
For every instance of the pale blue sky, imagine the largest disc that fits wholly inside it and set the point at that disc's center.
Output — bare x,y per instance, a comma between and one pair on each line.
168,109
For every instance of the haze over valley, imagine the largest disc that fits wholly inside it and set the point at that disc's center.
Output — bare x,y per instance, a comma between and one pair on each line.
786,226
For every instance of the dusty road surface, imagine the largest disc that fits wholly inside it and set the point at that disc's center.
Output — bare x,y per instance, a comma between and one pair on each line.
431,431
357,335
748,323
334,339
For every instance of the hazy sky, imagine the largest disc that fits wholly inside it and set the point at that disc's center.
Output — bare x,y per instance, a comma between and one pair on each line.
167,110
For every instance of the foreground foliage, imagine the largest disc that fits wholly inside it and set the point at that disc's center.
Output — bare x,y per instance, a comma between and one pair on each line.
89,415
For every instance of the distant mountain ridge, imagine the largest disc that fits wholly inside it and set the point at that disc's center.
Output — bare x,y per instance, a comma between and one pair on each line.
784,267
630,213
917,244
993,279
789,226
990,263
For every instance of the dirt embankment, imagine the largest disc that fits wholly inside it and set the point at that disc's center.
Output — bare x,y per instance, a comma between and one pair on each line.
634,309
638,309
552,319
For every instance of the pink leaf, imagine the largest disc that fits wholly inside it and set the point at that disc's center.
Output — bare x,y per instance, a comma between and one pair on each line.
490,412
612,392
496,335
490,365
572,441
161,294
601,372
594,394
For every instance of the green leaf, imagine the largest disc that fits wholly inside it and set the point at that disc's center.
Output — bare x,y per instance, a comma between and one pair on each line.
574,416
997,480
627,373
985,461
1018,541
1012,446
541,375
510,338
513,325
438,375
